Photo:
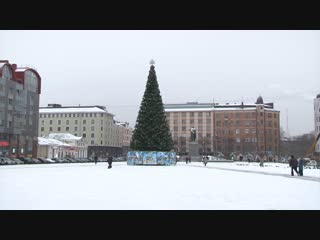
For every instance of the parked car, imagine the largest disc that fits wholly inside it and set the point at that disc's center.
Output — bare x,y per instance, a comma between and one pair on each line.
46,160
57,160
36,161
26,160
7,161
18,161
312,164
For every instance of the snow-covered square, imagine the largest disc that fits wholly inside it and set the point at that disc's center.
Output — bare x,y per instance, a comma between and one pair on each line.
217,186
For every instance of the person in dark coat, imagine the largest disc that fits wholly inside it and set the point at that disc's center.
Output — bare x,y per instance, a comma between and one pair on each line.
95,159
293,163
205,160
187,160
110,161
300,165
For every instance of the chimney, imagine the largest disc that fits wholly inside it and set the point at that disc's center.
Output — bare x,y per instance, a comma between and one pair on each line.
14,66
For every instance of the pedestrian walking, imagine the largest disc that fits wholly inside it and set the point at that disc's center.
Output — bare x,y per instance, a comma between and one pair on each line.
261,162
95,159
110,158
293,163
300,165
205,160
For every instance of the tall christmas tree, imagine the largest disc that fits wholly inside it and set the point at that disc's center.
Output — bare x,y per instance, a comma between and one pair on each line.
151,131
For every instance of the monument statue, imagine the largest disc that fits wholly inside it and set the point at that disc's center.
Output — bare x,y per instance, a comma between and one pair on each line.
193,134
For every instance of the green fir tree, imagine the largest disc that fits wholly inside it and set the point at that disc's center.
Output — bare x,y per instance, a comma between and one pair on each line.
151,131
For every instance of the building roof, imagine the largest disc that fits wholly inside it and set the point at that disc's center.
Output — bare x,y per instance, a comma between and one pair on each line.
89,109
63,136
259,100
189,107
50,141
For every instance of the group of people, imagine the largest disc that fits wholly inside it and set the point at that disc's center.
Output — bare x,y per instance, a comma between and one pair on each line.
294,164
110,159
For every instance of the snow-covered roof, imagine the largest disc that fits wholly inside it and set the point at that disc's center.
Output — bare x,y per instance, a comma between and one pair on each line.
72,110
21,69
50,141
187,109
64,136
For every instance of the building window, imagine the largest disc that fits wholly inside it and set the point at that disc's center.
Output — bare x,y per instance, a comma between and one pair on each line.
247,140
74,115
208,114
67,129
237,131
76,128
69,114
246,130
254,140
42,122
75,121
42,129
67,121
92,141
59,129
183,114
92,135
191,121
84,121
192,114
92,121
45,115
50,129
84,135
92,128
183,128
59,121
84,128
238,140
218,123
253,131
65,115
247,123
175,128
183,121
101,114
199,114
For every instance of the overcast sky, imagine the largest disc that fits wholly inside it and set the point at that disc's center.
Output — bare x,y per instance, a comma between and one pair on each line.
110,68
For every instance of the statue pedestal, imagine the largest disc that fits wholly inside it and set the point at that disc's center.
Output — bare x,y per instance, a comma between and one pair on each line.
194,151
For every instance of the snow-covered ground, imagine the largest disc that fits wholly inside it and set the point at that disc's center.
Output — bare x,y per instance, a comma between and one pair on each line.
184,186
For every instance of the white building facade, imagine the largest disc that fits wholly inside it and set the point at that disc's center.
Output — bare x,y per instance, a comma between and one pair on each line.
94,124
317,120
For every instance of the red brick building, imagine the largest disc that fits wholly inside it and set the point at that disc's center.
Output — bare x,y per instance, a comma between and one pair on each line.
229,128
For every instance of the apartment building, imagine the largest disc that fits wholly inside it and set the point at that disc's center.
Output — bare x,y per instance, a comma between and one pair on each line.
226,128
94,123
19,110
